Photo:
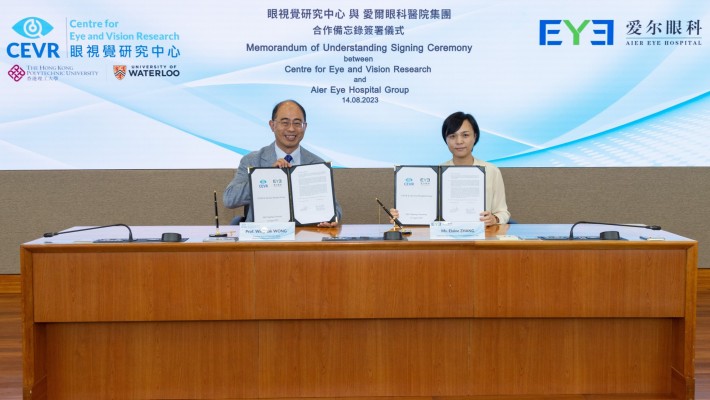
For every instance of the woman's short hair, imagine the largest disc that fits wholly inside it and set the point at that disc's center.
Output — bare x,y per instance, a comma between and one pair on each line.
453,122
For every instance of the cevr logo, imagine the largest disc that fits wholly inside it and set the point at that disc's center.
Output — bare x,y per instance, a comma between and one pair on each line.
549,27
32,28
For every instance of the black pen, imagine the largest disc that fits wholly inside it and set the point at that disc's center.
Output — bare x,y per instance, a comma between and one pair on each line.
216,215
216,219
396,221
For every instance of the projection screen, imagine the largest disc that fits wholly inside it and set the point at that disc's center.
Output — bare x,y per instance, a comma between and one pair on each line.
191,84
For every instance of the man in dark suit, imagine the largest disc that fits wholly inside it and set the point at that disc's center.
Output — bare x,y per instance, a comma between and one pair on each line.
288,122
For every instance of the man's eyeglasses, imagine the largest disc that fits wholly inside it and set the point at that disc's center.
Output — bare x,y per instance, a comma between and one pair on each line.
296,124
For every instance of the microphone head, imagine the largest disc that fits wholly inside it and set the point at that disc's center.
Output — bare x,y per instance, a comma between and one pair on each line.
49,234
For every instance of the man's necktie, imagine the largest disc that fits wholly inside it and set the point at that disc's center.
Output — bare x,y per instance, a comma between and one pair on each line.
288,158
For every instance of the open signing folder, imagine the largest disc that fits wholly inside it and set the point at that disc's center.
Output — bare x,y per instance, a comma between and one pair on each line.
424,194
302,193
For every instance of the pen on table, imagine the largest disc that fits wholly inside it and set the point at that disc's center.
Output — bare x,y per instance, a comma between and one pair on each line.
396,221
216,216
216,219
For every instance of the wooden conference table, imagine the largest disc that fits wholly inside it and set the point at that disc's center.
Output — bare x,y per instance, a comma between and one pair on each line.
312,319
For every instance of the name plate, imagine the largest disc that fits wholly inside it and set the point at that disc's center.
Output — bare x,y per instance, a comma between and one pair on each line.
267,231
451,230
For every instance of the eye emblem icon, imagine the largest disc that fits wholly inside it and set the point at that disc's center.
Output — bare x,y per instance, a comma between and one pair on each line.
32,27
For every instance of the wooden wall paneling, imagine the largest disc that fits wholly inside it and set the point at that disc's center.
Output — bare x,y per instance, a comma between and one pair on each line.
356,358
10,283
140,286
364,284
584,283
572,356
34,348
148,360
334,358
684,340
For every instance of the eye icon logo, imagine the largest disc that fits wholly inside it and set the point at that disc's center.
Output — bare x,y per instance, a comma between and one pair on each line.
32,28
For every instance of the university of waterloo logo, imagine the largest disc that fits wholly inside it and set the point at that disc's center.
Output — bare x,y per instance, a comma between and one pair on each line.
119,71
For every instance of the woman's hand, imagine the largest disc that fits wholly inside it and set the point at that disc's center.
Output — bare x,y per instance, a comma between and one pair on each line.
488,218
394,213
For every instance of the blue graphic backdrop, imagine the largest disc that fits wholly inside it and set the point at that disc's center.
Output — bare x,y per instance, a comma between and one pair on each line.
191,84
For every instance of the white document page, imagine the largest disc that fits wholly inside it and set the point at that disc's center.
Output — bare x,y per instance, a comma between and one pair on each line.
269,192
312,192
416,194
463,193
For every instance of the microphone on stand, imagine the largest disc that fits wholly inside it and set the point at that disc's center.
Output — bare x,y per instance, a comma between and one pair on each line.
130,233
610,235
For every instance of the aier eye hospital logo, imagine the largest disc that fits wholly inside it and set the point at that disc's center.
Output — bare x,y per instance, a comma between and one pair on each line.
600,32
552,34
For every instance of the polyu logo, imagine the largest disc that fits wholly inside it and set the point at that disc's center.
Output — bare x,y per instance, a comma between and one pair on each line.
33,28
601,29
16,73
